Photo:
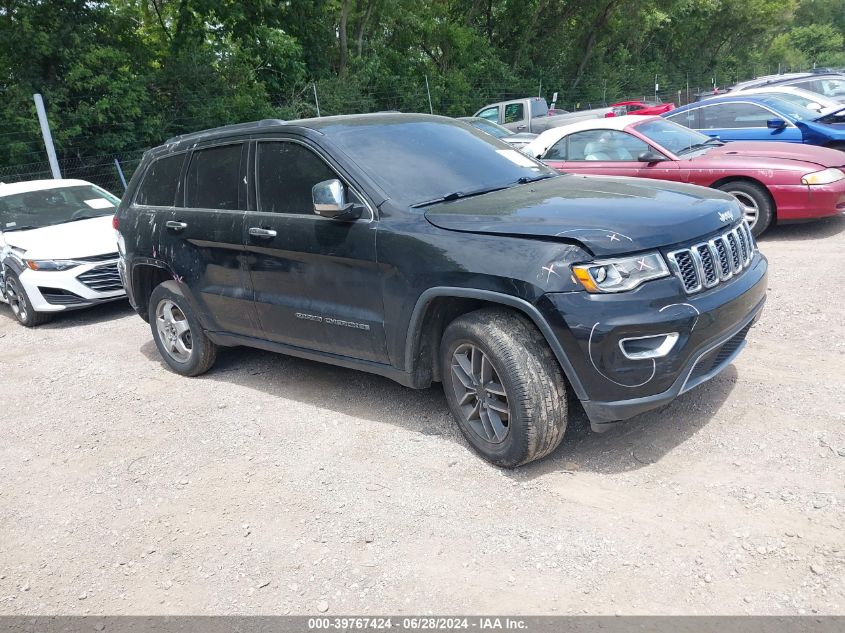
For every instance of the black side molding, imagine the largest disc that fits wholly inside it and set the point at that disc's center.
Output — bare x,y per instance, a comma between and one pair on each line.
415,326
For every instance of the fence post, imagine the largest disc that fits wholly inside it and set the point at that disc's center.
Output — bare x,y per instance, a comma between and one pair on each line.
428,91
120,173
48,138
316,100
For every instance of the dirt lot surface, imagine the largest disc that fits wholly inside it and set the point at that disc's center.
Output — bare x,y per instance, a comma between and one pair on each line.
276,485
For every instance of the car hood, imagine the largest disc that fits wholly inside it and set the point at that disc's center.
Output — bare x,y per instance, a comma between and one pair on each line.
83,238
607,216
823,156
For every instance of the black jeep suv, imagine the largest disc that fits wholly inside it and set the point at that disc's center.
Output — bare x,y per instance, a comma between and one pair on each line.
422,249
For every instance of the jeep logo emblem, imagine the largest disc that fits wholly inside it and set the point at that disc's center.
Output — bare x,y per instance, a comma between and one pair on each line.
726,216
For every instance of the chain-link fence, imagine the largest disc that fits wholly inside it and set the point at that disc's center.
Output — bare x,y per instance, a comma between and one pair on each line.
107,171
429,94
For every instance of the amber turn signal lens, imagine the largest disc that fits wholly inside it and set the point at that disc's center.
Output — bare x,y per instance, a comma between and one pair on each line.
585,279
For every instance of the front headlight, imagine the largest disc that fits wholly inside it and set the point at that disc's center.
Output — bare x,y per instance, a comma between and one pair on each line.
50,264
824,177
619,275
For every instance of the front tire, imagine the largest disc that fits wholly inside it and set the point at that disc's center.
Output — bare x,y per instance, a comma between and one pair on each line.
757,207
504,386
20,303
178,334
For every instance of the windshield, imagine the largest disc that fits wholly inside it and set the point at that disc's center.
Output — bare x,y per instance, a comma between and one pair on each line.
676,138
792,110
416,160
47,207
796,99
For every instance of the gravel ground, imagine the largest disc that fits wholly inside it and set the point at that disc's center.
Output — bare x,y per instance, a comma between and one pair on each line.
276,485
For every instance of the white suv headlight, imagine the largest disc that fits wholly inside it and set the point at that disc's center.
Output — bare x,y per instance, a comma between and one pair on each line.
824,177
50,264
619,275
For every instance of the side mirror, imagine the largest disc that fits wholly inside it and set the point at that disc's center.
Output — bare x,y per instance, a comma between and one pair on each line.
651,156
330,201
775,124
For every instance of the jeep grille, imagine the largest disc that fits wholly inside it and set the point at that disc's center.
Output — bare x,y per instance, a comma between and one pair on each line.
708,263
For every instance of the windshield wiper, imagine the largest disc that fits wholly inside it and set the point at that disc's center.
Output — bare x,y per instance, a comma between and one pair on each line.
696,146
458,195
82,217
526,179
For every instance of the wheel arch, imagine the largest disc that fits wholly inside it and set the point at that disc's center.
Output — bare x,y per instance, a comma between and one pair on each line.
143,279
729,179
437,307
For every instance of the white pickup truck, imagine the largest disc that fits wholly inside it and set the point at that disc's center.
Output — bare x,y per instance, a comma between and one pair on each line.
531,114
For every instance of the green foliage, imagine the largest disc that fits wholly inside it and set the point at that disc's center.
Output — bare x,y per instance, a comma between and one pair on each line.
121,75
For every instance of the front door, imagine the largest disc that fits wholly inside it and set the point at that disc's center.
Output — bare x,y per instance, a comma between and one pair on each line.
203,239
316,280
608,153
745,122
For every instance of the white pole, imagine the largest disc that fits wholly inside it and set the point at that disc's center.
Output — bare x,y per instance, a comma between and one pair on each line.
48,138
428,91
316,101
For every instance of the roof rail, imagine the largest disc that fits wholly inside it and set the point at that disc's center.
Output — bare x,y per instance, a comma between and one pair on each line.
237,127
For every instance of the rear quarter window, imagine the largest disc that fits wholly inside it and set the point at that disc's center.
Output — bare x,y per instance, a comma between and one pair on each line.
161,182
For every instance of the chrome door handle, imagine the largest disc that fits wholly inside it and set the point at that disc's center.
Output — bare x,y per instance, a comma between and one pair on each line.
176,226
257,231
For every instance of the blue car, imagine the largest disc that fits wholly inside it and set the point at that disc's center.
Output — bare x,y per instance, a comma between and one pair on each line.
761,118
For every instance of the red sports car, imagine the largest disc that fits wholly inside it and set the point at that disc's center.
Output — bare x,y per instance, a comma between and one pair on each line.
640,108
774,181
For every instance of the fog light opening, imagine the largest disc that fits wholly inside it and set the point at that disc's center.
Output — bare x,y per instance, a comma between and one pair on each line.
644,347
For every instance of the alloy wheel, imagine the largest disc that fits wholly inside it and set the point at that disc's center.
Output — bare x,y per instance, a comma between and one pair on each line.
174,331
480,394
16,301
750,209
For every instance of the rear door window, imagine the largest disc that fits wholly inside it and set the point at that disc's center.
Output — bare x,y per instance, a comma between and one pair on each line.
514,112
213,178
158,189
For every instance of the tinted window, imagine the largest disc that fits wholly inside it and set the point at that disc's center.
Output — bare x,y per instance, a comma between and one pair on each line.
161,182
734,115
514,113
605,145
286,174
491,114
419,159
213,177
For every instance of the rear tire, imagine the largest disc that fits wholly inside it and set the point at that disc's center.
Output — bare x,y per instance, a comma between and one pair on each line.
21,305
504,386
757,206
178,334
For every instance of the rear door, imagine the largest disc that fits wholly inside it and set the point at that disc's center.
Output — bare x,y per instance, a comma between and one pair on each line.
514,116
203,238
316,280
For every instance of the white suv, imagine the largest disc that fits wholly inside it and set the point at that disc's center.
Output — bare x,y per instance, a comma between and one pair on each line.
58,249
